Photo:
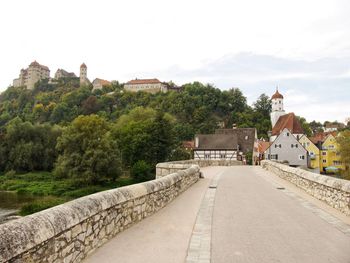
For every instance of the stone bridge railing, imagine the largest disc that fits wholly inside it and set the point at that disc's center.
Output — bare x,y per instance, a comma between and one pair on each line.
69,232
335,192
171,167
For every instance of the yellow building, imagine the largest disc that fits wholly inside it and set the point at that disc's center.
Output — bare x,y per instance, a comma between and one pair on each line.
330,156
313,152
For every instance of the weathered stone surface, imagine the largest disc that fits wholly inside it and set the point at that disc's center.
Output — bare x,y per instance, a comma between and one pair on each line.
333,191
69,232
164,169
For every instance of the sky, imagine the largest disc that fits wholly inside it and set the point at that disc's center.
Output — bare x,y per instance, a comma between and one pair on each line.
303,47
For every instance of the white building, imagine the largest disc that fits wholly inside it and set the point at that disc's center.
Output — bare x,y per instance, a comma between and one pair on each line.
287,148
148,85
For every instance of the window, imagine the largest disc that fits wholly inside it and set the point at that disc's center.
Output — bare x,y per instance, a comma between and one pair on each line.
324,161
206,156
337,162
287,133
292,145
279,102
301,157
331,147
274,156
324,153
222,156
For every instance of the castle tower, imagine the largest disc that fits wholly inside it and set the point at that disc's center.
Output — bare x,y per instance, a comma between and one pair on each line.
277,107
83,74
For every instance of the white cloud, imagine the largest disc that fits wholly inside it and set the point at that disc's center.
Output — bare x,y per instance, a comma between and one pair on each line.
120,40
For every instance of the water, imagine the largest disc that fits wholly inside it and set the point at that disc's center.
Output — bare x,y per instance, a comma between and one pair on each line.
11,202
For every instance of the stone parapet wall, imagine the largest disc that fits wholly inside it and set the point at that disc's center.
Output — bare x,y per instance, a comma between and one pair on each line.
164,169
333,191
71,231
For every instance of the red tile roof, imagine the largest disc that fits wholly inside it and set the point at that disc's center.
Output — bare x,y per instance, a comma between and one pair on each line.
288,121
188,144
103,82
277,95
321,136
143,81
262,146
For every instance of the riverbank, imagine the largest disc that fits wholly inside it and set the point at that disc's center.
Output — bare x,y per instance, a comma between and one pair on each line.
37,191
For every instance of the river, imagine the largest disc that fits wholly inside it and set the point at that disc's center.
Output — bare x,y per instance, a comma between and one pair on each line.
11,202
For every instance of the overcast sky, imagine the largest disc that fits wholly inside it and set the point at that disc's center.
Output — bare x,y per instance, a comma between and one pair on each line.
301,46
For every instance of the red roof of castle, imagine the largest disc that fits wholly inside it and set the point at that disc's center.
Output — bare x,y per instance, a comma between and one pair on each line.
83,65
36,64
143,81
288,121
277,95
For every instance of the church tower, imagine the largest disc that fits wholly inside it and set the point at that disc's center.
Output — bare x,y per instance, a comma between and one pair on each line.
83,74
277,107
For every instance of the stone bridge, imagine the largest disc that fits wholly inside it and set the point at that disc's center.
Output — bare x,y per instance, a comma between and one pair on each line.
234,213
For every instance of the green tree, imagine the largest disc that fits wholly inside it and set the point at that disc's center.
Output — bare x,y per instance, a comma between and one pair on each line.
87,151
142,171
343,139
28,147
145,134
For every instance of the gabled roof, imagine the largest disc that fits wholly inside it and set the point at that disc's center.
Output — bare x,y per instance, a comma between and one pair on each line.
217,142
291,137
36,64
245,137
143,81
262,146
289,121
103,82
321,136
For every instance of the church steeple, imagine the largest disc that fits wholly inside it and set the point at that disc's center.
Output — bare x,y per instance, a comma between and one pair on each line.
277,107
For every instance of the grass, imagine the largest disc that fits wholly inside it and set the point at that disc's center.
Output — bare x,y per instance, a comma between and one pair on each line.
49,190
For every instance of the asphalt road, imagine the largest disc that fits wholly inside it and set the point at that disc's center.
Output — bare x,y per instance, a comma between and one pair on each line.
253,221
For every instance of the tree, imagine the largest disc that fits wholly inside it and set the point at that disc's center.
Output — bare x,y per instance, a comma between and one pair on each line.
263,105
145,134
343,139
316,127
27,147
87,151
142,171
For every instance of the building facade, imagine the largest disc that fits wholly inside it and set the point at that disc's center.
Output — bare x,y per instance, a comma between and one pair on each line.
83,75
99,83
227,144
286,148
61,73
330,156
31,75
147,85
313,152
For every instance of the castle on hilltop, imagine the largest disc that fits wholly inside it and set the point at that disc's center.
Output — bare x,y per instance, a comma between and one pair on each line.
31,75
36,72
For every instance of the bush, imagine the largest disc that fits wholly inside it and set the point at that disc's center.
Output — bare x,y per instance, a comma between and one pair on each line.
141,172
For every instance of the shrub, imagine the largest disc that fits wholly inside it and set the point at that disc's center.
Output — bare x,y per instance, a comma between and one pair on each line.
141,172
